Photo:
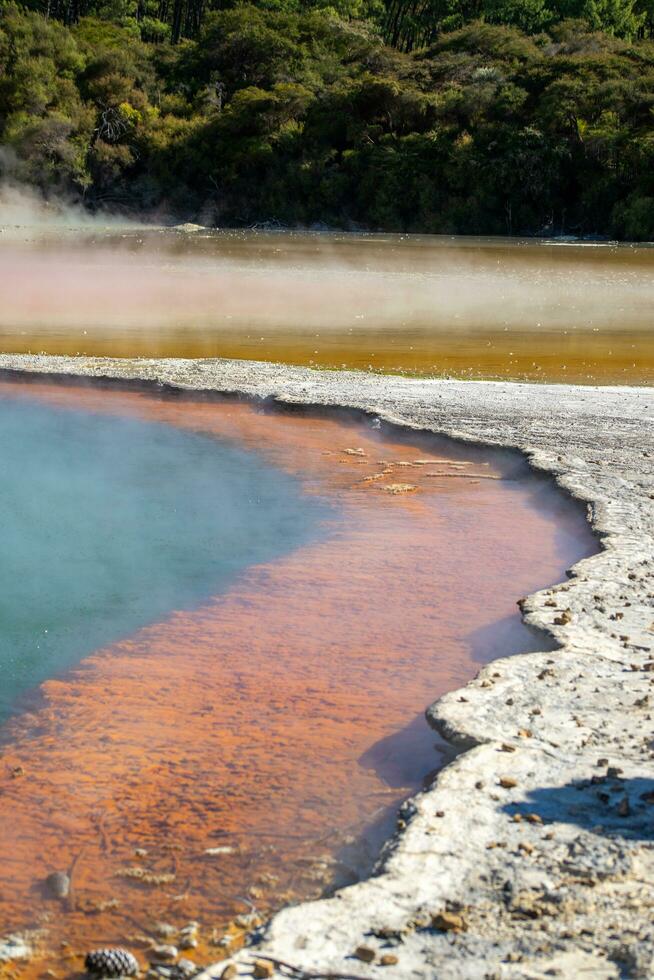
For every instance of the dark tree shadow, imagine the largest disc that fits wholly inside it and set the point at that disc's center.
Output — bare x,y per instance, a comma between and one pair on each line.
505,637
410,757
406,761
604,804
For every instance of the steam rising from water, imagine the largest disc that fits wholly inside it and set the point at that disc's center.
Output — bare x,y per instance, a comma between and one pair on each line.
162,280
124,289
110,523
24,207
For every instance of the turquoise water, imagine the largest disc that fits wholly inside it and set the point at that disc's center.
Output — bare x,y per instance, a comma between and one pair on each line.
108,524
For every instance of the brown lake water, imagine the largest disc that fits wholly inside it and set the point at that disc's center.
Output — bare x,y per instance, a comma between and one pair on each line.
462,307
251,749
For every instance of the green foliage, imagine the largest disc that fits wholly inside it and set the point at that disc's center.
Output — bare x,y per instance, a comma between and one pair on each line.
634,218
485,116
246,46
530,16
43,117
619,17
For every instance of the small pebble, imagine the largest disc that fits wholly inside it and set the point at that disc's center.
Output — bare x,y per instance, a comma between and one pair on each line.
187,966
263,969
449,922
164,952
365,953
58,884
624,810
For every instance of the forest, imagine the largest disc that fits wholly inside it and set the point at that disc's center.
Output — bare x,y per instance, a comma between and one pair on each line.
518,117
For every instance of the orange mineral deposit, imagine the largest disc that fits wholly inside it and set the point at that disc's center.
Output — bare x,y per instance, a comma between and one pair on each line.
251,752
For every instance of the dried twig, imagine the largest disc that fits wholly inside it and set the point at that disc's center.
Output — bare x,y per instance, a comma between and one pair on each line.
467,476
104,840
70,900
299,973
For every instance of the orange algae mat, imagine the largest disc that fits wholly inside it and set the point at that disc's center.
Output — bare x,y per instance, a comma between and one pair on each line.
229,759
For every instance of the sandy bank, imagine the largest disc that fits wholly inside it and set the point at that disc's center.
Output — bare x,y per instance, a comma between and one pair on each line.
538,840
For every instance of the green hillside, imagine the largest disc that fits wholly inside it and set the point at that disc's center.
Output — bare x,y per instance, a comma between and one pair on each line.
487,116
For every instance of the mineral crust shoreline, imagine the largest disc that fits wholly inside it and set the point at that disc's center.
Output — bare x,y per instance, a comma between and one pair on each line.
532,854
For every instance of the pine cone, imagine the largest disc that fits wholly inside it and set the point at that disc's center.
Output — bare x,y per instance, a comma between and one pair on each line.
111,963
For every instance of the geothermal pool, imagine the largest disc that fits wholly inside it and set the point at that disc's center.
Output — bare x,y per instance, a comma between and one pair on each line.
109,523
247,611
464,307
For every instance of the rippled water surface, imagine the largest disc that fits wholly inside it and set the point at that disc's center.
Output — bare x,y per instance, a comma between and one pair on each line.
465,307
